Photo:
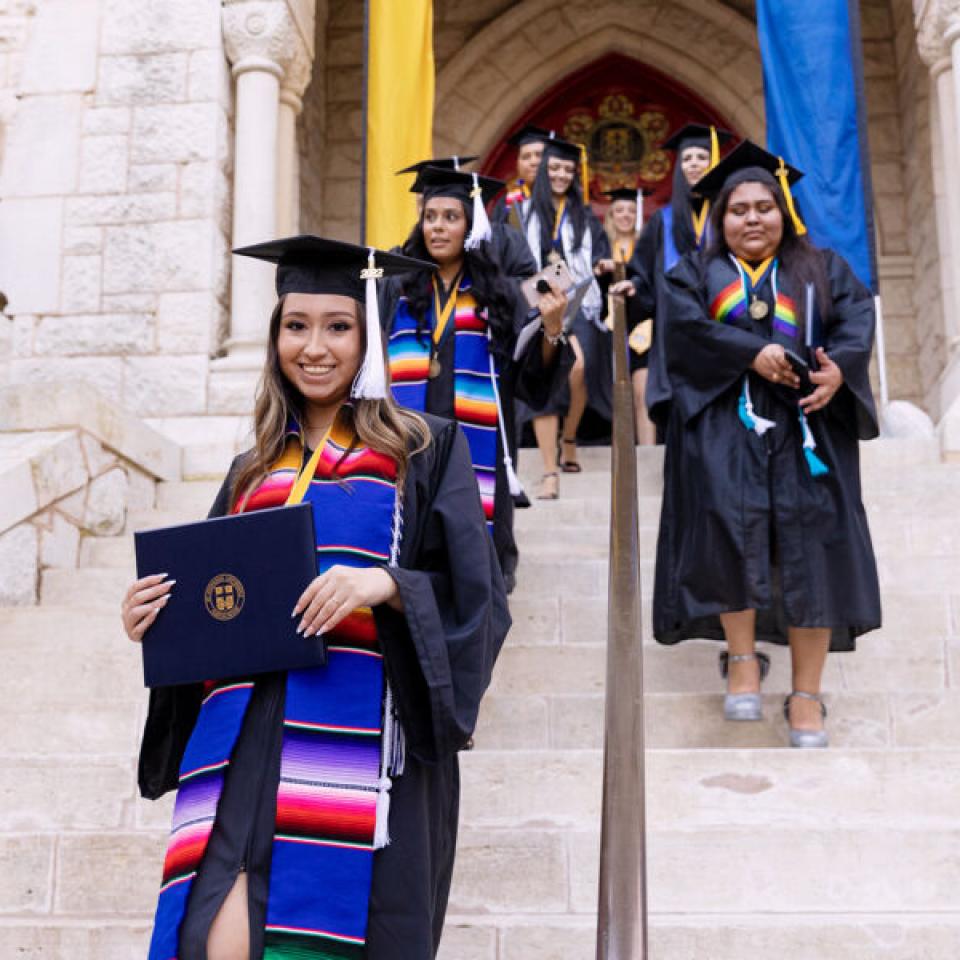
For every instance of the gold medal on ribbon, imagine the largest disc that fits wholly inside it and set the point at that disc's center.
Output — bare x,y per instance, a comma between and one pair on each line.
435,367
759,309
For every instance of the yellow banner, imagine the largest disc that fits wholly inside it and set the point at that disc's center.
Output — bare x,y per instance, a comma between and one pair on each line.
400,84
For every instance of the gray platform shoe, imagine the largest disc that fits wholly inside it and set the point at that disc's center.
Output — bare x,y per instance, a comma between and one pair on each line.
743,706
806,739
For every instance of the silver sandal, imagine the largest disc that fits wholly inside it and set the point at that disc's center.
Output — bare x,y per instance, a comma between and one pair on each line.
743,706
806,739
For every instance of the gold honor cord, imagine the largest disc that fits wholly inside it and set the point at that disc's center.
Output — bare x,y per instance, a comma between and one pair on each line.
700,220
558,219
299,490
442,317
626,252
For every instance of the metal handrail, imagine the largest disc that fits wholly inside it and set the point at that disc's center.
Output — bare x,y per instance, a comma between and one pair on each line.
622,910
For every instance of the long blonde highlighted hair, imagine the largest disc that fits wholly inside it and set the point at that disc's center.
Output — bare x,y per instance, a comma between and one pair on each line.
379,424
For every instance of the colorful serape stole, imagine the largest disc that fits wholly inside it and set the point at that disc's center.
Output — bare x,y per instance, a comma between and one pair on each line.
338,737
474,375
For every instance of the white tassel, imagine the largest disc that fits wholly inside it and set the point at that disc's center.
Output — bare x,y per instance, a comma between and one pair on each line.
456,162
381,832
371,380
639,225
513,481
760,424
481,231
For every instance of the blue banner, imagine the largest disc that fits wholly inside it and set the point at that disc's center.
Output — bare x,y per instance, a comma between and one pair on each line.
816,120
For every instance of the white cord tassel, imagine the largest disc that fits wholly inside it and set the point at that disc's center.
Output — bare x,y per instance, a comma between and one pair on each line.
759,425
639,225
513,481
371,380
481,231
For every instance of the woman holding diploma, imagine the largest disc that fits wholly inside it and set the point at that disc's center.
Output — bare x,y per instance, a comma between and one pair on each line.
316,811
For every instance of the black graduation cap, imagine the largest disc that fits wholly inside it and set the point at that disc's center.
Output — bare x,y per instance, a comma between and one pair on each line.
627,193
562,148
437,182
746,156
746,162
448,163
695,135
309,264
530,134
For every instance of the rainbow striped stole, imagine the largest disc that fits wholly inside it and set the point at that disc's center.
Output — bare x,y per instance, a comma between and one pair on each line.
335,761
730,303
785,315
475,405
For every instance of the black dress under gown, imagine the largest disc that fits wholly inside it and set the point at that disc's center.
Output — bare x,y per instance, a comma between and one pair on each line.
744,523
438,655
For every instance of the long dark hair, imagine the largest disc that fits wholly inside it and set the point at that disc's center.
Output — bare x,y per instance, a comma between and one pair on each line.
482,266
801,259
541,198
681,202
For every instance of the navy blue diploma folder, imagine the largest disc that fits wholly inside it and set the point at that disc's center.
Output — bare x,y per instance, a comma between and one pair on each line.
238,579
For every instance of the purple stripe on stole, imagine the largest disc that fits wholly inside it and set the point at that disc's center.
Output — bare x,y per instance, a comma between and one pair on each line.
331,758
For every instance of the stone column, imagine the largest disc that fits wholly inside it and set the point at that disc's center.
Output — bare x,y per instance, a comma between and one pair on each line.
938,40
263,40
295,82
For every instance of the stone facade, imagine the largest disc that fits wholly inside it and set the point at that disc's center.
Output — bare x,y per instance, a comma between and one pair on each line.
120,165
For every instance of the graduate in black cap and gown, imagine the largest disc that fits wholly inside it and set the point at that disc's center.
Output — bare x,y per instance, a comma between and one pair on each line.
623,224
453,337
672,231
763,534
316,811
562,226
513,204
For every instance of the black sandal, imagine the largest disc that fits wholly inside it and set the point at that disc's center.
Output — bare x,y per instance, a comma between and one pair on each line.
568,466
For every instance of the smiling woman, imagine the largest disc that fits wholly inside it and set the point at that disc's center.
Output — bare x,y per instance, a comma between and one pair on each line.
291,785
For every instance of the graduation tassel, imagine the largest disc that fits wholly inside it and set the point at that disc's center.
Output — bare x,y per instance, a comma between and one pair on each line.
639,227
371,380
714,147
759,425
513,481
481,231
783,177
585,173
817,467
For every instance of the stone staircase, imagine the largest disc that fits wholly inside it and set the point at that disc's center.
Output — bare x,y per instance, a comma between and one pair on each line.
754,850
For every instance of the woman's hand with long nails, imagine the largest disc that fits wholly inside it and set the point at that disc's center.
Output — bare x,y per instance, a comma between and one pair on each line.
143,602
333,595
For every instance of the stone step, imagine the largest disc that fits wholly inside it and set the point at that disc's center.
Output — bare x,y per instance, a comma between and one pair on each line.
107,552
830,935
694,721
690,936
194,496
718,870
771,790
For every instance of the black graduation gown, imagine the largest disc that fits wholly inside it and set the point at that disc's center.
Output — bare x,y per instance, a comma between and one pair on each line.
646,271
527,379
438,654
744,525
